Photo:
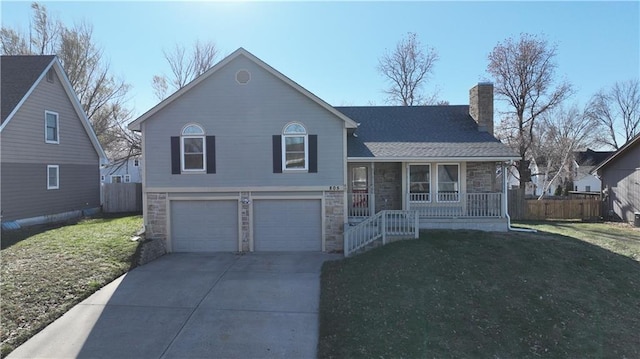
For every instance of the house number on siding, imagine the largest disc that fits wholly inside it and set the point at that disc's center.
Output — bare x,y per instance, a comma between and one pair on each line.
335,188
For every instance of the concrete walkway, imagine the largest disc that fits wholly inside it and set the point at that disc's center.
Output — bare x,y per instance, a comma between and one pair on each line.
223,305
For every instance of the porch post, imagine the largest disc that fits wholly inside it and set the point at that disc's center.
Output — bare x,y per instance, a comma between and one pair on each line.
504,190
372,194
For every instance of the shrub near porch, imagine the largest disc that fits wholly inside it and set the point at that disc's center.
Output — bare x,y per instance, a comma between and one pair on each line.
476,294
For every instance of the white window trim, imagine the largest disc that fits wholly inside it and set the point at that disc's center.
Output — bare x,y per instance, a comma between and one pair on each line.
438,182
127,178
204,155
284,149
57,141
136,162
409,182
102,178
57,167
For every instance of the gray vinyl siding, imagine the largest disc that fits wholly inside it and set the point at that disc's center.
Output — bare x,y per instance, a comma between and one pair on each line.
622,176
243,119
25,155
24,191
23,138
287,225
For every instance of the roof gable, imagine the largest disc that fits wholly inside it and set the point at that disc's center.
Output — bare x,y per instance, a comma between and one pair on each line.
18,76
135,125
406,132
32,71
622,150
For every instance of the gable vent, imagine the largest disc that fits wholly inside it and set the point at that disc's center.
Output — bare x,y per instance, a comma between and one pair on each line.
243,76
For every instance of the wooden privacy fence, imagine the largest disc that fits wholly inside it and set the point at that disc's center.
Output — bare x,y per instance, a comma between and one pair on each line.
533,209
121,197
564,209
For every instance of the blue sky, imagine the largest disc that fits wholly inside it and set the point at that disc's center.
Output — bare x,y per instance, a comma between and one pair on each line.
332,49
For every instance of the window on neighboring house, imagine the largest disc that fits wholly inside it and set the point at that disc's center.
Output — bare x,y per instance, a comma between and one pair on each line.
53,177
448,183
51,128
295,149
419,183
136,162
127,178
193,145
102,178
116,179
587,188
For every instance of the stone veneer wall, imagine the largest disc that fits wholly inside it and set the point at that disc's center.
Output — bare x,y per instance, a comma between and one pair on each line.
156,226
245,224
334,221
388,186
481,177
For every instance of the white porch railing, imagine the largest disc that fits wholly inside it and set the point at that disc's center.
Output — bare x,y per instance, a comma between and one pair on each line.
482,205
385,223
359,204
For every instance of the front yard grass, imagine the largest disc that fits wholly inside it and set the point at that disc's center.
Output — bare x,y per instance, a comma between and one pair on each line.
468,294
45,274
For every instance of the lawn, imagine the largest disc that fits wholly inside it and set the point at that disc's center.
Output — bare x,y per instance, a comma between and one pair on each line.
467,294
45,274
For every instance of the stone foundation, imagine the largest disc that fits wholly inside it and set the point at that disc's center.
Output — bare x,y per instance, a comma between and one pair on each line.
245,208
149,250
334,221
156,226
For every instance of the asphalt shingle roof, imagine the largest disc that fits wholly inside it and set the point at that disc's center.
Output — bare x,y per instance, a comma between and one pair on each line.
420,132
17,75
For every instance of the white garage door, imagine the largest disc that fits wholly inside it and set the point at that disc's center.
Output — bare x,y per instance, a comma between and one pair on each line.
287,225
204,226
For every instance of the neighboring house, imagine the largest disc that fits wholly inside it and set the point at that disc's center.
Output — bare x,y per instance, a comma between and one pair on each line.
620,176
584,162
50,156
125,171
245,159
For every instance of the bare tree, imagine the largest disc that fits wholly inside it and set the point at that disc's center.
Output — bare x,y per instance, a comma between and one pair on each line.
101,95
185,66
561,132
407,69
615,109
523,72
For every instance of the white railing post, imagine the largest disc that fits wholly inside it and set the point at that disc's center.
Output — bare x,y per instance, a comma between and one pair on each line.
384,228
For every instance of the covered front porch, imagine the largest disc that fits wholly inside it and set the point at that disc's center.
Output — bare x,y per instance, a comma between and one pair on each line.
448,195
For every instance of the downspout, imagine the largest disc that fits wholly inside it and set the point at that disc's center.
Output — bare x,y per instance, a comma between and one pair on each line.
506,204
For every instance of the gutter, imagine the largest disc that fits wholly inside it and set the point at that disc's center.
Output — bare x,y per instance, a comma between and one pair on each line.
506,205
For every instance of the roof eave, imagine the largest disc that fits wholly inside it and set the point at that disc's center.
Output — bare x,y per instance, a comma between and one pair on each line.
434,159
616,154
135,125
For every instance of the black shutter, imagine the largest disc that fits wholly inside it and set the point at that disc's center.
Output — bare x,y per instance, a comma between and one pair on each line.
277,154
313,153
175,155
211,154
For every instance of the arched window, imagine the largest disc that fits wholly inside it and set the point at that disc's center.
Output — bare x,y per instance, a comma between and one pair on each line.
295,147
192,148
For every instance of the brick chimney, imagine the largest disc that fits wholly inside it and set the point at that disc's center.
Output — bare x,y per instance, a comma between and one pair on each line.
481,106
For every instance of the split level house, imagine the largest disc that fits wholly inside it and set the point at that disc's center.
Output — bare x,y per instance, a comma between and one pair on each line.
245,159
620,176
50,156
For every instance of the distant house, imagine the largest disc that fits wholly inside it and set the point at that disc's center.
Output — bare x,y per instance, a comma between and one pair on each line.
245,159
125,171
50,156
584,162
620,176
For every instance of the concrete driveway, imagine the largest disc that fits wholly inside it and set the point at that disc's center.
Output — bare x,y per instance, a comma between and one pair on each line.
223,305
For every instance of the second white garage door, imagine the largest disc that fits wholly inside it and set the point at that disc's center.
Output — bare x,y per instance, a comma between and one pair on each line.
204,226
287,225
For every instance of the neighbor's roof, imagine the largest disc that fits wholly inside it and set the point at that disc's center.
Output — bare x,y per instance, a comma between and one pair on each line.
18,74
420,132
135,125
632,142
591,157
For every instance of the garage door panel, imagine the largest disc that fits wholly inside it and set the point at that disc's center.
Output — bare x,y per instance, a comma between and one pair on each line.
204,226
287,225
